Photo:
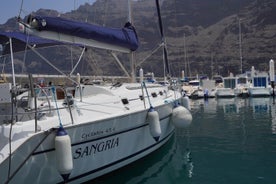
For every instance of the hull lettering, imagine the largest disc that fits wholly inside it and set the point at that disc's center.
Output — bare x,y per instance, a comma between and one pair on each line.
96,148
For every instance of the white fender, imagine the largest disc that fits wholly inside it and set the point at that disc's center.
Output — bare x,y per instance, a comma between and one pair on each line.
64,161
181,117
154,124
185,101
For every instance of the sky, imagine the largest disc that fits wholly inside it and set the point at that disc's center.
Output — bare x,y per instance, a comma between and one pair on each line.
11,8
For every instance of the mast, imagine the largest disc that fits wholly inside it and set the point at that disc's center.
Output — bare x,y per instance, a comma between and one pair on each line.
165,54
240,43
187,63
132,63
212,66
185,54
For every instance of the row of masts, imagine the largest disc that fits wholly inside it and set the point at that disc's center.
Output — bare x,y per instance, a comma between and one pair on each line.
187,63
167,73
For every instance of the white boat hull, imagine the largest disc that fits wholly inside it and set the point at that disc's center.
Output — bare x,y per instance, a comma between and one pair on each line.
259,92
225,93
98,146
241,92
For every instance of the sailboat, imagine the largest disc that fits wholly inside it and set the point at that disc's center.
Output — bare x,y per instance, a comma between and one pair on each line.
76,133
242,85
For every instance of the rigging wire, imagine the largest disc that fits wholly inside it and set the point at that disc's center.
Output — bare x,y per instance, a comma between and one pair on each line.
21,8
10,138
98,71
12,108
105,10
24,57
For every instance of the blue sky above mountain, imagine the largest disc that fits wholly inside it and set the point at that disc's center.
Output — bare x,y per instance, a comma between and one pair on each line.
11,8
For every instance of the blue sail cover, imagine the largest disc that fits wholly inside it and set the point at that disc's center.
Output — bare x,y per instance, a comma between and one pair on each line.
19,41
125,37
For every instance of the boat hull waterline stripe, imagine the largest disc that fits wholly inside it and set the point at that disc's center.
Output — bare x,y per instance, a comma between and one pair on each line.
123,159
117,133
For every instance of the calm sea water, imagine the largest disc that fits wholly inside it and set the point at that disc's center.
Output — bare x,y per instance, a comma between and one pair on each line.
230,141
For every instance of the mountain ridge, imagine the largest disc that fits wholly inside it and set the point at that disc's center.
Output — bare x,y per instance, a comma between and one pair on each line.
210,30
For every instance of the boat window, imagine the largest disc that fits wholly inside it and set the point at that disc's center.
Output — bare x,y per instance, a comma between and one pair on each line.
194,83
229,83
260,81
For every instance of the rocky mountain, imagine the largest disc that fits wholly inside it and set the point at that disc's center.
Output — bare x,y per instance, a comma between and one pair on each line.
202,36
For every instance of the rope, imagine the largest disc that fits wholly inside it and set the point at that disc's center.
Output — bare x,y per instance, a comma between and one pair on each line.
144,84
143,95
10,139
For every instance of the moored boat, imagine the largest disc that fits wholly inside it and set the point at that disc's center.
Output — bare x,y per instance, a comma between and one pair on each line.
75,133
242,86
260,87
227,90
193,89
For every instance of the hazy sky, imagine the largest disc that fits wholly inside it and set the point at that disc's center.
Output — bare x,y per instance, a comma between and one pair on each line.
11,8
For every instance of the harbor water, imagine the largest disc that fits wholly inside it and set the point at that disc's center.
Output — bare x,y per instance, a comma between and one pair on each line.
229,141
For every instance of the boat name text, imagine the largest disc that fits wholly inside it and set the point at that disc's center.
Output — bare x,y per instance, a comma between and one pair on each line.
96,148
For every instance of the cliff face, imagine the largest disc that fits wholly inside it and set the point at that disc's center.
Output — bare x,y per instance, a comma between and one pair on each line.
208,30
221,40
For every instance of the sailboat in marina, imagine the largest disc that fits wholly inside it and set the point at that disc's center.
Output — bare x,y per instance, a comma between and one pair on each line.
241,89
259,84
79,132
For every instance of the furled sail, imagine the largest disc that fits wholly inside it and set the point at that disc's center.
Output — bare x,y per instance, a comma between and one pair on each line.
119,39
20,40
